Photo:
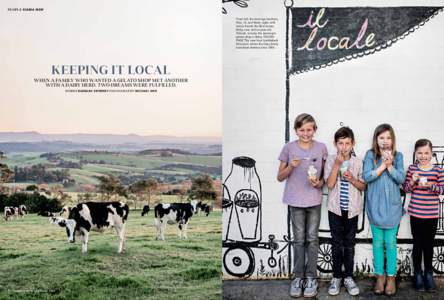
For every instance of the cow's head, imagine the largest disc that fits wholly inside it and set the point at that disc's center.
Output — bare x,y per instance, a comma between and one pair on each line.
69,224
194,205
65,211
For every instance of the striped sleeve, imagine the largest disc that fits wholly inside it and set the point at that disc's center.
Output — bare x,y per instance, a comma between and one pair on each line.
408,188
439,187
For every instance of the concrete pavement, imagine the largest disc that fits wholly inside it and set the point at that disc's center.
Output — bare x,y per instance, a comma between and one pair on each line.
278,289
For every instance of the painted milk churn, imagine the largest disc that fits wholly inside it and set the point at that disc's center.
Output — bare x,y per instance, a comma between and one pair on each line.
242,202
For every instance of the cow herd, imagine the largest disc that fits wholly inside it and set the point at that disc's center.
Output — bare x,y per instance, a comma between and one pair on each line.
80,220
12,212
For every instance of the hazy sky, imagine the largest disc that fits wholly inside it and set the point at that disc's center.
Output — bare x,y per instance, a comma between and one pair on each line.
185,35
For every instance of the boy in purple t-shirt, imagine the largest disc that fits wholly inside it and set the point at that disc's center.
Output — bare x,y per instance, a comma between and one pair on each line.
301,166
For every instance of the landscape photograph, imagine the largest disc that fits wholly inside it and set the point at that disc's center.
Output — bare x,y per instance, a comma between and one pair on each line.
110,182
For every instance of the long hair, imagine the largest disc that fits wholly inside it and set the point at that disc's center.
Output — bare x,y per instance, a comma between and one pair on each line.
378,130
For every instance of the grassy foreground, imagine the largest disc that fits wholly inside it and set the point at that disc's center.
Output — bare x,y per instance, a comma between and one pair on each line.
37,262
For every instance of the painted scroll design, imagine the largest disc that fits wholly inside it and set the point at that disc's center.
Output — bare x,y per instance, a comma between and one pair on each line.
240,3
366,52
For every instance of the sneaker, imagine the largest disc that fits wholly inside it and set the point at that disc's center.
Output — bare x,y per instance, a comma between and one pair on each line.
311,287
335,286
296,288
351,286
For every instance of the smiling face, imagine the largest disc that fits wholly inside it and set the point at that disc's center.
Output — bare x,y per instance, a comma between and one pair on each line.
344,146
385,141
306,132
424,155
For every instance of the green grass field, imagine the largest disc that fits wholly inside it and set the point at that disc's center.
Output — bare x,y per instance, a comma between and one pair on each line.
38,263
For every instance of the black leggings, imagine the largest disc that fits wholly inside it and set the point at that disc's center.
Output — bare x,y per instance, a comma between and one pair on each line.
423,231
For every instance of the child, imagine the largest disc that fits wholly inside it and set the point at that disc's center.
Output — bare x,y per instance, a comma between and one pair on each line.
301,166
425,182
383,173
343,175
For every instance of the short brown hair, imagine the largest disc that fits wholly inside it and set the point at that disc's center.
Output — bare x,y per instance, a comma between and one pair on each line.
344,132
303,119
422,143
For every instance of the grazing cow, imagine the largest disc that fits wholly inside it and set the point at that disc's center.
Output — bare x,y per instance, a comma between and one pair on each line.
173,213
45,214
202,207
95,216
23,210
20,211
9,212
146,209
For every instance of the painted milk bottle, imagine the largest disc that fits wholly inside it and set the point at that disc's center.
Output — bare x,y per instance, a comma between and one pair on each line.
244,213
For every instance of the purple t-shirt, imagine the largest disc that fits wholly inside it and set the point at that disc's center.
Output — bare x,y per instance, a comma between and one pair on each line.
298,190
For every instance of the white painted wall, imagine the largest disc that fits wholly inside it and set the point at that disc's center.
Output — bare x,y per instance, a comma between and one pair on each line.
401,85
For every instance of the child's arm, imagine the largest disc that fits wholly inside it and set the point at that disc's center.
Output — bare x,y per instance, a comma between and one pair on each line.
396,169
439,188
286,165
285,170
357,182
333,174
408,184
371,173
354,181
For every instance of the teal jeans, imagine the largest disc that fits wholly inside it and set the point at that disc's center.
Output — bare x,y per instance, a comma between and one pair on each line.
384,238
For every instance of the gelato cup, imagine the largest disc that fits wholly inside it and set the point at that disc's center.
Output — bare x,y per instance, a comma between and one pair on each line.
344,167
312,172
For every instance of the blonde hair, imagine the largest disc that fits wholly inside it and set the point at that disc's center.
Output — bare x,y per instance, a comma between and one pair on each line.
303,119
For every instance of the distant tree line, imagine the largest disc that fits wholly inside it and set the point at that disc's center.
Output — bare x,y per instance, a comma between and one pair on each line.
201,189
34,202
38,173
203,169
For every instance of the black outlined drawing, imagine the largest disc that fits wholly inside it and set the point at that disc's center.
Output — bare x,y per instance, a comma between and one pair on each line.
239,254
240,3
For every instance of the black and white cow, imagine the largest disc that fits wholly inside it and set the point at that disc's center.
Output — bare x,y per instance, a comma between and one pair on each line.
145,210
9,212
203,207
173,213
95,216
45,213
23,210
65,211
